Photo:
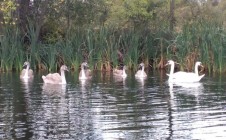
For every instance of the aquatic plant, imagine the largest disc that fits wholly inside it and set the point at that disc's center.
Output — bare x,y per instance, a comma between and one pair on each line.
11,53
107,47
201,41
130,46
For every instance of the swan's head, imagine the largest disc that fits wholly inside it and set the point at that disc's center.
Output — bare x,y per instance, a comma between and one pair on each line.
124,67
198,63
64,68
26,64
170,62
141,65
84,65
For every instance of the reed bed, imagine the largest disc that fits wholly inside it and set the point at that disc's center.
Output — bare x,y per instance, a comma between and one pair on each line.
107,47
201,42
11,50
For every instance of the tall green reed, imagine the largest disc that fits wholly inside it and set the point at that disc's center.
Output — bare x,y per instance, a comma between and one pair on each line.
99,38
150,50
51,54
130,42
18,53
212,45
203,41
89,50
72,48
11,49
106,48
34,51
112,50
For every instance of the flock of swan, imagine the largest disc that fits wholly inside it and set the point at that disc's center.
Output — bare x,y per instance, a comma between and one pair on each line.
85,73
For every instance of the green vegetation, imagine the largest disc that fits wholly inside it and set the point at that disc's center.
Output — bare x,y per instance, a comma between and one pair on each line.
108,33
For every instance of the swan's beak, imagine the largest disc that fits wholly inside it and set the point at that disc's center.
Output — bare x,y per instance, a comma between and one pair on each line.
166,64
24,66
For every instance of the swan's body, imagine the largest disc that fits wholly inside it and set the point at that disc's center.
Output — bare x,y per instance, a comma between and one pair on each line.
56,78
182,76
26,73
141,73
85,73
120,73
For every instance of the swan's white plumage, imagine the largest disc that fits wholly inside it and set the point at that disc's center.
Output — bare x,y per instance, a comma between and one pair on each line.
56,78
27,72
120,73
141,73
85,73
182,76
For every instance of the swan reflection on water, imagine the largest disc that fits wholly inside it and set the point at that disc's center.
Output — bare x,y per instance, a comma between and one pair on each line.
119,79
54,89
186,85
84,85
187,88
27,83
141,81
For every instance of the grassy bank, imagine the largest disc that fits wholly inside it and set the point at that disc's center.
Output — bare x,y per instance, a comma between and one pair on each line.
105,48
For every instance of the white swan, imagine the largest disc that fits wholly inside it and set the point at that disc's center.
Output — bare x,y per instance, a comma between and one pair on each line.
85,73
56,78
141,73
120,73
26,73
182,76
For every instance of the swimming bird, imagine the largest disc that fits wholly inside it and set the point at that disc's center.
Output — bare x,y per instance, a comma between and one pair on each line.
194,76
197,64
120,73
141,73
26,73
56,78
182,76
85,73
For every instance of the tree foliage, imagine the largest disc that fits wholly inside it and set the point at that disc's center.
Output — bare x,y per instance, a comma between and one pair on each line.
8,11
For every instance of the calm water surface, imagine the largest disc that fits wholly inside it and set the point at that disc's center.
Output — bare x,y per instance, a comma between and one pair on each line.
106,108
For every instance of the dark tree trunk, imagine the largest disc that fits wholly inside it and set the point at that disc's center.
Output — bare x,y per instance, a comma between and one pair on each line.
172,18
23,14
2,22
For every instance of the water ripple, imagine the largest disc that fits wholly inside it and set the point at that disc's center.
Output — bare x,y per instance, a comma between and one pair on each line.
107,108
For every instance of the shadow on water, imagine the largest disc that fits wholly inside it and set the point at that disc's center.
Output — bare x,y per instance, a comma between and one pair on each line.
106,107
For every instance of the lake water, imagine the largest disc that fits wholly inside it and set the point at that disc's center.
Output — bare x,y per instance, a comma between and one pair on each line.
106,108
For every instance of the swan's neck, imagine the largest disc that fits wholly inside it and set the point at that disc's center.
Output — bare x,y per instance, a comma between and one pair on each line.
171,69
26,72
83,73
142,72
63,77
124,73
196,69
